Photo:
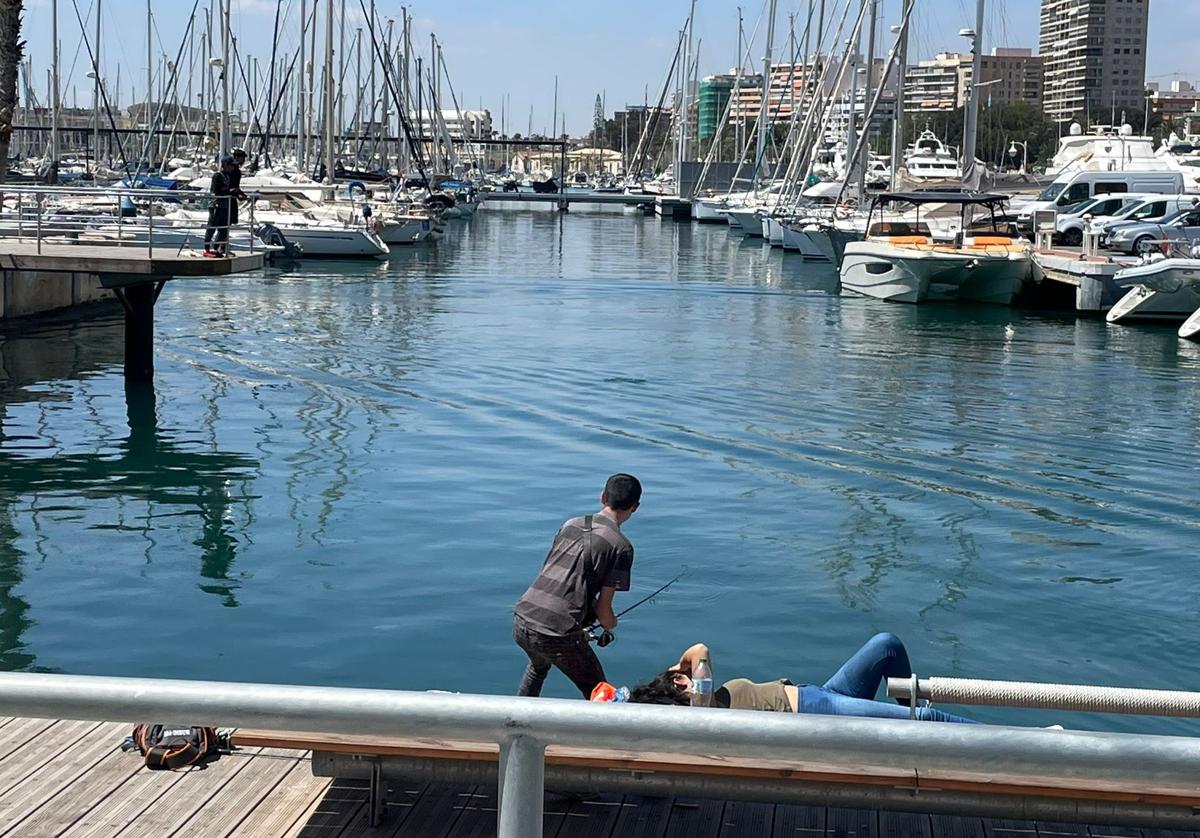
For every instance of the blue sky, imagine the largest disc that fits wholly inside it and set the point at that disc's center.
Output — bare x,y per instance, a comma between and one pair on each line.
515,48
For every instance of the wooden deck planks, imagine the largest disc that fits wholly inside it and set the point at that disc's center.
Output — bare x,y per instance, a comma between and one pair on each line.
799,822
747,820
334,811
185,798
48,777
691,818
285,805
237,800
18,732
436,813
593,817
642,817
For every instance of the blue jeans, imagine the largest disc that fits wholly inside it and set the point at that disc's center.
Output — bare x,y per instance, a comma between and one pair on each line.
851,690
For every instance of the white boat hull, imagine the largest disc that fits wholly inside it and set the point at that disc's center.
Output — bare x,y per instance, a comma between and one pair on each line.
773,231
708,211
1191,327
746,220
1166,289
799,240
347,243
872,269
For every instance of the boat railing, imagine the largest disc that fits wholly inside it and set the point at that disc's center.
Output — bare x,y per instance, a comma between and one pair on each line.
115,216
1178,248
524,727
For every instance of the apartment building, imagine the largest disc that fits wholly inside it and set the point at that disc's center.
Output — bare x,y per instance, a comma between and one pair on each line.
1094,56
943,82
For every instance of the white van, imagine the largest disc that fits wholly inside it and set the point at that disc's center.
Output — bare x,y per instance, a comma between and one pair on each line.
1072,188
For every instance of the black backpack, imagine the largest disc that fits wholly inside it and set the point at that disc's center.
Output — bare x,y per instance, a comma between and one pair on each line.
171,747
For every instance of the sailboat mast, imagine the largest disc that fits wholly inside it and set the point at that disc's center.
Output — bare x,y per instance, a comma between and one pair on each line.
226,139
52,169
329,35
864,152
96,97
901,70
970,176
764,105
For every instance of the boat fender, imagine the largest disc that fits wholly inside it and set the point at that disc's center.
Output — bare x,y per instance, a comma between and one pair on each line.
356,185
972,265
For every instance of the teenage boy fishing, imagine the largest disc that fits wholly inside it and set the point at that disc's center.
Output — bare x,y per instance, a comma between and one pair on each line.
589,561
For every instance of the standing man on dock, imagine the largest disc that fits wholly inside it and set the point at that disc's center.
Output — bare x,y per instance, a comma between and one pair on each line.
226,189
589,561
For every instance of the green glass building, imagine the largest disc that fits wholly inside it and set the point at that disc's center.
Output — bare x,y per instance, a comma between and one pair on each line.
714,96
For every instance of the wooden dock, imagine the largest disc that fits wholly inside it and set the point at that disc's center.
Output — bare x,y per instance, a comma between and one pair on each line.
126,261
71,779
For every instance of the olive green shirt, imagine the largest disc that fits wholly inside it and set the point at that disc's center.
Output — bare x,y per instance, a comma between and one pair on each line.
744,694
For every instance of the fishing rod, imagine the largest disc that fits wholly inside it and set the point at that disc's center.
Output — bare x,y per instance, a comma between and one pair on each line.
604,637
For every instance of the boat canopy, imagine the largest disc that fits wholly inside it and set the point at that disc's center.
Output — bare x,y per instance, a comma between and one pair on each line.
942,196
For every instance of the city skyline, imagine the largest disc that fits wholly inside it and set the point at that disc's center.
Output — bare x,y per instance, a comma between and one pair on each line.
502,59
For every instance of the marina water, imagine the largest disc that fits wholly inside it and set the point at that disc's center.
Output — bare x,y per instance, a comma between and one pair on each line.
347,473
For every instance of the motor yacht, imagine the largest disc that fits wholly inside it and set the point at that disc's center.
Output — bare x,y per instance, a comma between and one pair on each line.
901,261
928,158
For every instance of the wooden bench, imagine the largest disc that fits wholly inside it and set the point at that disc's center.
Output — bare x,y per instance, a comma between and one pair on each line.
421,759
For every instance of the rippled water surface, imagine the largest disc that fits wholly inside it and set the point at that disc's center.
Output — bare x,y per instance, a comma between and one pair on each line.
347,473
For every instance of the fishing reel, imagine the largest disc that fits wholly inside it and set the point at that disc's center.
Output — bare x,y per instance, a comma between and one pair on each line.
601,637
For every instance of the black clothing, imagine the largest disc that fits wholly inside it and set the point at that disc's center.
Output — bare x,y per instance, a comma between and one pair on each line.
572,655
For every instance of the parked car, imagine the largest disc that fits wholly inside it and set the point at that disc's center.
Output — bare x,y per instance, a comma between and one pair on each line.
1141,237
1072,220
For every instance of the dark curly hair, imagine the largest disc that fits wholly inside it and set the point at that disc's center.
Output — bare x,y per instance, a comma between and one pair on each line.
662,689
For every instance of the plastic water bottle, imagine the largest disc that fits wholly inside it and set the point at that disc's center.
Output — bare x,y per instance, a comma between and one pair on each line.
702,684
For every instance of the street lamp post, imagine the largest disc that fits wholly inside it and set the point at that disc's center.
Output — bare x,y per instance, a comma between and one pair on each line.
1012,152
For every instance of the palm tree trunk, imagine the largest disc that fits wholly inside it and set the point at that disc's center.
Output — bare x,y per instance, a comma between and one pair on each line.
10,56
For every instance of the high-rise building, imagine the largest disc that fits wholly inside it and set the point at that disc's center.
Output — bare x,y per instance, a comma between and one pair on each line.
943,82
1094,55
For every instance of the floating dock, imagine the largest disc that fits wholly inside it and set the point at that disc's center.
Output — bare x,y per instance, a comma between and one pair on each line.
1091,277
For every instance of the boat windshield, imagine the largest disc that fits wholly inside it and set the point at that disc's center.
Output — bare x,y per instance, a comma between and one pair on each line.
1052,191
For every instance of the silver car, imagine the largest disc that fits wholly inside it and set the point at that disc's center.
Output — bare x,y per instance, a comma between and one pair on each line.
1140,237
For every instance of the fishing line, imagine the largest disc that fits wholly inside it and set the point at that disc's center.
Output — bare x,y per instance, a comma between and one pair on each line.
605,637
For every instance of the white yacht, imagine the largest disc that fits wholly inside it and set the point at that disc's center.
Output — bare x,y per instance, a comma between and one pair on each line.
899,261
931,159
1106,149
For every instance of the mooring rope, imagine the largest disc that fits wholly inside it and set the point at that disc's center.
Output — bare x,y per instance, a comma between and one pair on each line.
1080,697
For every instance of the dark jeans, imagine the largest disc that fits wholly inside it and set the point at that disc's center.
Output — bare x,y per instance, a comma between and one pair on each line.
851,690
572,655
218,226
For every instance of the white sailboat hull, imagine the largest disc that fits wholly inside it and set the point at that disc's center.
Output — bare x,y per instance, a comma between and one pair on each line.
746,220
799,240
773,231
346,243
708,211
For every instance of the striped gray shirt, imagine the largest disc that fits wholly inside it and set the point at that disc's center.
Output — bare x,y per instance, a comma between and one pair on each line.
581,561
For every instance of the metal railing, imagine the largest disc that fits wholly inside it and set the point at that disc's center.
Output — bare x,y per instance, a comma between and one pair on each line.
116,216
523,727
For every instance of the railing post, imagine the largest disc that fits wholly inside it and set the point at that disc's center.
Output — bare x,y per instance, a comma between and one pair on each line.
39,222
522,788
252,202
150,228
20,217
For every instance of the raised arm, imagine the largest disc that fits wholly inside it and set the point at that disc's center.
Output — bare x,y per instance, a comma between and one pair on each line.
690,657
